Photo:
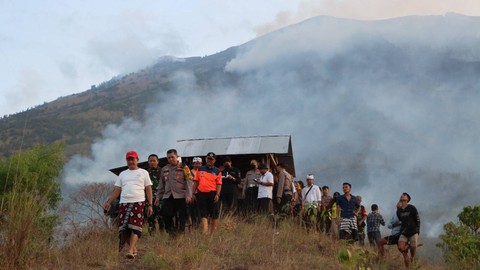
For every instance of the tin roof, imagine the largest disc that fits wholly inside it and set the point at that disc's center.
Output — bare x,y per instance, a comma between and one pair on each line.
275,144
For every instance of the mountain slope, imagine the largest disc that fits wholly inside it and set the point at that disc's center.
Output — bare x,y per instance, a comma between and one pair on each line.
77,120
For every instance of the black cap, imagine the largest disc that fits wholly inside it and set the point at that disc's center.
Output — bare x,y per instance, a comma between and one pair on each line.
211,155
262,166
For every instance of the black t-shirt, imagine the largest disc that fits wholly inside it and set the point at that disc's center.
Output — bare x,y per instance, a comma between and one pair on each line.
229,186
410,220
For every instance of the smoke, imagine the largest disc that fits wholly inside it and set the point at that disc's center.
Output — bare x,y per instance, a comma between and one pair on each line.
389,106
368,10
134,41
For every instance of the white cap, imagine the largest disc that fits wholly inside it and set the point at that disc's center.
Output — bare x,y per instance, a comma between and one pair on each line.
197,159
310,176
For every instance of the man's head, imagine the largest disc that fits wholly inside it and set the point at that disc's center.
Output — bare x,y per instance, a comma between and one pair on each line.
359,199
336,194
253,164
227,162
310,179
210,159
347,187
404,199
132,160
263,168
325,190
172,157
197,162
153,161
280,167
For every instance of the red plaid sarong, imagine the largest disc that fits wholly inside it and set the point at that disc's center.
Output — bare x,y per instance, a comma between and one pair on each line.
131,216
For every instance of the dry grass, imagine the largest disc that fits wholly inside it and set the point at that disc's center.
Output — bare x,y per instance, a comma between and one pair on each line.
237,244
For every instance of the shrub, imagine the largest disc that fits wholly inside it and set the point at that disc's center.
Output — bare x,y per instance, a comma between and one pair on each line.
461,241
29,191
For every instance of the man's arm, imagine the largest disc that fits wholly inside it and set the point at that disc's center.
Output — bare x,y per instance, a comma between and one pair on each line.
160,190
115,194
418,221
217,195
148,191
281,183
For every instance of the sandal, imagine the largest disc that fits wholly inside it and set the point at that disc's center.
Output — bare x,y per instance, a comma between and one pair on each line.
130,255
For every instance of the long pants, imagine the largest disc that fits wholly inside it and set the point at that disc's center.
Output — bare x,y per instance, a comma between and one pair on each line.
251,200
325,222
264,205
174,208
152,220
282,208
227,200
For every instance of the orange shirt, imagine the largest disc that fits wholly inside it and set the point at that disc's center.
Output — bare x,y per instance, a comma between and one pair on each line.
208,178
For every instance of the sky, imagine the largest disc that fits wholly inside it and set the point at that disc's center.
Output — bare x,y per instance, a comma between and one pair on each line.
51,49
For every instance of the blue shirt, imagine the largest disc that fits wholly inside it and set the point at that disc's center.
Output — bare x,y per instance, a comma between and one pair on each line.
348,207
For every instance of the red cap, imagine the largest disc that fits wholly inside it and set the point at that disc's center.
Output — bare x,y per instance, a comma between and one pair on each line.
131,154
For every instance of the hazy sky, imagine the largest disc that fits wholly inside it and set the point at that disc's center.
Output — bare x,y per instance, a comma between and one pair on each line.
55,48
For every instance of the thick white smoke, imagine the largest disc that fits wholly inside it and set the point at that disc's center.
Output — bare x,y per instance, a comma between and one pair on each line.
390,106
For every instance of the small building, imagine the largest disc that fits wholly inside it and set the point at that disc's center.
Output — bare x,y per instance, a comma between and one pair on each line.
271,150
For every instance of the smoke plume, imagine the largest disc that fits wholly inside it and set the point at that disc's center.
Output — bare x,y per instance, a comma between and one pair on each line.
389,106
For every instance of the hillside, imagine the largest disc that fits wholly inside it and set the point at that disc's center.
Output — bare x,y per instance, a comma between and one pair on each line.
77,120
237,244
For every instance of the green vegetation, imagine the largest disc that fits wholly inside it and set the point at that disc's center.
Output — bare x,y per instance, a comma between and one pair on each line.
29,192
461,241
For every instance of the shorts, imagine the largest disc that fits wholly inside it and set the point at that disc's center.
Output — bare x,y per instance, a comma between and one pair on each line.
374,237
392,239
412,240
208,208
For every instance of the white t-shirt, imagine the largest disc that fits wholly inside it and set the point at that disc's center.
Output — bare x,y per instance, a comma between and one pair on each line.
313,196
133,183
264,191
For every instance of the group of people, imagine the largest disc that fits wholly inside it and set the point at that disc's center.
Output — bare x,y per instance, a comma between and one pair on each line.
177,196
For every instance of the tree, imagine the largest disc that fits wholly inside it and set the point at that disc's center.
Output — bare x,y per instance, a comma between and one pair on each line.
85,207
461,241
28,190
35,171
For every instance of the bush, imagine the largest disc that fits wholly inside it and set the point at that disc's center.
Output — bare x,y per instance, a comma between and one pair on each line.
461,241
29,191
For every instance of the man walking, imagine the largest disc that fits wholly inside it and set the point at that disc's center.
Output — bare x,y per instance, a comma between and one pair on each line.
175,191
208,184
349,207
155,175
132,185
409,230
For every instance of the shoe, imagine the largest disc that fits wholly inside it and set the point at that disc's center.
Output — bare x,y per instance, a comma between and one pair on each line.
130,255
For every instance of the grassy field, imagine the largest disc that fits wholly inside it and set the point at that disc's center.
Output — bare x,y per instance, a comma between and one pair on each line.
237,244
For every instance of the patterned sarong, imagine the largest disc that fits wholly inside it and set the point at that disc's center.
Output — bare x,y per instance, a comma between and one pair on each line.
348,224
131,216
